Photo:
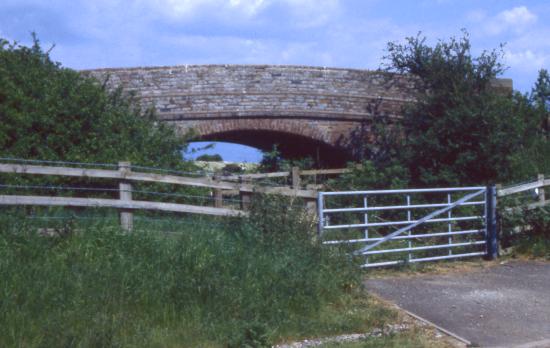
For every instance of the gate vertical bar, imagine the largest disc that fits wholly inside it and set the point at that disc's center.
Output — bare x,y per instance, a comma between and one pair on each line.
320,217
366,220
491,222
409,218
450,226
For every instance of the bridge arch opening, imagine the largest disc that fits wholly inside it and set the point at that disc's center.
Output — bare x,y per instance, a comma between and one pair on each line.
290,146
229,152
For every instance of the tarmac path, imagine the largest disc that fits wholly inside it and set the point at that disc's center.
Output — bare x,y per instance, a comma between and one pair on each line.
507,305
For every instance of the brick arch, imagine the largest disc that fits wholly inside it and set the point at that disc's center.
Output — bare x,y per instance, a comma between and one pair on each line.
297,128
322,105
294,139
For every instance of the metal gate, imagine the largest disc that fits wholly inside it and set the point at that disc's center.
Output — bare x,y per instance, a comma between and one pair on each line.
391,227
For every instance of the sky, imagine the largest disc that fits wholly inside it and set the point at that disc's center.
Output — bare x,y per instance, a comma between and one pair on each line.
333,33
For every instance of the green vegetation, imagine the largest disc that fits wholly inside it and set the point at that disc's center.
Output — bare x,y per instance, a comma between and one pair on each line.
53,113
273,161
48,112
235,283
232,283
210,158
527,230
461,130
232,168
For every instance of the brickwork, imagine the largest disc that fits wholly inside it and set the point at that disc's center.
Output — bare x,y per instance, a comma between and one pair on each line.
322,104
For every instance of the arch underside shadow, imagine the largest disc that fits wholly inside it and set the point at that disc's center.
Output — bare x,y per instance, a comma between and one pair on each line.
291,146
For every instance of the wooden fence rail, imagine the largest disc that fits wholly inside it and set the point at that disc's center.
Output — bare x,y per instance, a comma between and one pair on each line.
124,205
128,175
538,185
223,185
294,173
125,177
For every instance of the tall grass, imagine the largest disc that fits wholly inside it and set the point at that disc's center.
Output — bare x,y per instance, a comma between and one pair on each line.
249,282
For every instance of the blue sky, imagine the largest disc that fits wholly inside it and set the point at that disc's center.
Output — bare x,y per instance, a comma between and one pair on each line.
335,33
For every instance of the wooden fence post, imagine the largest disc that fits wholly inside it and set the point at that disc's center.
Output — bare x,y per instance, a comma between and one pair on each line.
244,197
245,200
218,198
125,194
542,196
217,194
296,181
311,207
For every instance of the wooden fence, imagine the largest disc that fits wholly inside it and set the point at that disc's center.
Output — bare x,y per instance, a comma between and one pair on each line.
537,186
240,185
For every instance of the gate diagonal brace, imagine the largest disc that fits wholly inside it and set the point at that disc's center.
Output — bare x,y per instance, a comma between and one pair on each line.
421,221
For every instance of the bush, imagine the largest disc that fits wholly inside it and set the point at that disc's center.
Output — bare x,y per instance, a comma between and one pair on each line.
232,168
210,158
461,131
48,112
528,229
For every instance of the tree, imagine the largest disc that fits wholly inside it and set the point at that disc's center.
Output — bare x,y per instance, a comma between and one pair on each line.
210,158
541,92
49,112
273,161
460,130
532,158
540,96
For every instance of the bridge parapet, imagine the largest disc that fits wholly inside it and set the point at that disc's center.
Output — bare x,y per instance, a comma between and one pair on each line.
197,91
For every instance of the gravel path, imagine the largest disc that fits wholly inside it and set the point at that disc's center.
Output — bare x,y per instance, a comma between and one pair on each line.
388,330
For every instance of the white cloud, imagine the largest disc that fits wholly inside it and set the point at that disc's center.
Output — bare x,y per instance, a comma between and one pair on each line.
517,16
526,60
250,7
238,50
313,13
186,9
516,19
305,12
527,42
476,16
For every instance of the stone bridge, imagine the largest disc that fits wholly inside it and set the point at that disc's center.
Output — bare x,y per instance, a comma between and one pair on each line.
305,110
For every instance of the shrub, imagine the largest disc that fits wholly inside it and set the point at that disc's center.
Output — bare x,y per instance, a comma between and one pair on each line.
210,158
460,130
528,229
48,112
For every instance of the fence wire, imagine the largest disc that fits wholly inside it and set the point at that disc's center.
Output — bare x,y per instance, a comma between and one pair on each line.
198,173
90,189
87,164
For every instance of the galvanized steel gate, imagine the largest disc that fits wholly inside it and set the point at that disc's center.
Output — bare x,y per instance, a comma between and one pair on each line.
390,227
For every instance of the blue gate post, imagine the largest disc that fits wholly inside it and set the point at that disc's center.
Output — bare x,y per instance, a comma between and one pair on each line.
491,223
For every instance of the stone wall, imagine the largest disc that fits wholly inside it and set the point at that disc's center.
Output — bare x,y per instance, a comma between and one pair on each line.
323,104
